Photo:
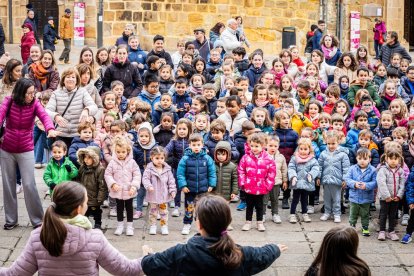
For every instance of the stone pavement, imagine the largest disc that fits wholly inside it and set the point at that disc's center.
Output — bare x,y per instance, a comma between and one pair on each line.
303,240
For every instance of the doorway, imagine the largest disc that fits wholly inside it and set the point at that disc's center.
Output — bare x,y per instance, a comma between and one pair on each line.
43,9
409,23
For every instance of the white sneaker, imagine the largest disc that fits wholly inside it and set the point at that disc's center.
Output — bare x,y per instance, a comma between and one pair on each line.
235,199
145,204
164,230
405,219
311,210
158,216
337,218
293,219
176,212
153,230
105,204
186,229
325,217
171,204
306,218
112,212
119,228
130,229
276,219
19,189
48,192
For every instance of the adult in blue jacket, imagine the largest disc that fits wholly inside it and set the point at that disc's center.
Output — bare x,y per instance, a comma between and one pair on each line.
316,39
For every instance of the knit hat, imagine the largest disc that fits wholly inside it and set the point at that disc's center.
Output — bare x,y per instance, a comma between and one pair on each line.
4,59
50,18
27,25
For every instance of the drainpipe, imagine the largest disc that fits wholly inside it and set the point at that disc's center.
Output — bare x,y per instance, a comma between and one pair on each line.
339,21
100,24
10,22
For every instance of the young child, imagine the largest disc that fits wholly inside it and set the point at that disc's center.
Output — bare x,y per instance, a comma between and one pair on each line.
166,105
333,93
199,105
210,94
136,55
404,66
121,101
368,106
381,75
199,66
286,85
362,82
153,65
303,96
280,180
274,94
261,99
87,75
159,182
383,133
219,133
303,169
342,108
214,63
409,187
166,78
361,122
346,66
228,72
196,174
400,112
312,111
123,178
59,168
240,62
334,165
365,140
201,125
109,106
362,57
278,70
164,132
40,138
220,109
86,133
361,180
395,62
257,172
181,98
196,84
91,175
150,93
260,117
235,116
389,93
229,83
391,181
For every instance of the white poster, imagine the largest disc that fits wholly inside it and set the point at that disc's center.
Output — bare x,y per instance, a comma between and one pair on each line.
355,36
79,24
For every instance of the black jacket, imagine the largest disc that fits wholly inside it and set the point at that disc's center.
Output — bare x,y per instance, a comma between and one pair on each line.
163,54
2,40
195,258
388,50
128,74
49,36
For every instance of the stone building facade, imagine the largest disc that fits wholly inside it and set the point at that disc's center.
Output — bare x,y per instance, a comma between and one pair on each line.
175,19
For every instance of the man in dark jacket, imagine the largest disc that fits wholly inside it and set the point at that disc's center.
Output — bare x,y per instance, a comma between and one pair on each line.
316,40
49,35
392,46
158,50
31,20
201,43
309,39
2,40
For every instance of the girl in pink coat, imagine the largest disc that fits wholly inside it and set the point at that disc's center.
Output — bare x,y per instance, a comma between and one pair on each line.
159,182
257,172
123,178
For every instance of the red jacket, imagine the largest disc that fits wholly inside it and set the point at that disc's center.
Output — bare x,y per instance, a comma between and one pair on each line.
28,40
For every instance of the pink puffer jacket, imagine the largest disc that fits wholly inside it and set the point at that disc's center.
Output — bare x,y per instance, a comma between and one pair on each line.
256,174
18,137
83,252
163,184
125,173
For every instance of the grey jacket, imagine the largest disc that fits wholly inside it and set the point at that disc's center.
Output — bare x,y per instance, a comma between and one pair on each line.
391,182
58,102
301,171
334,166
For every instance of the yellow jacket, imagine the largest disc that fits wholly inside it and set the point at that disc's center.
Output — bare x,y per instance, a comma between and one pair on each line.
298,124
65,27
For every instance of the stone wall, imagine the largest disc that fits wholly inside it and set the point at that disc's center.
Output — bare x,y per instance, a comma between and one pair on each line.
19,14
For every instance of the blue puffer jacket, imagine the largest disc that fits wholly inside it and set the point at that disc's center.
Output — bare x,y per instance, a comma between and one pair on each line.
139,56
352,136
334,166
197,172
141,156
270,109
176,149
240,140
301,170
369,177
77,144
179,101
375,157
144,96
409,188
253,74
210,144
288,142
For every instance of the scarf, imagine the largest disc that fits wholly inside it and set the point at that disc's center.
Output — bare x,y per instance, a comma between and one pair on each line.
195,90
390,98
150,96
261,103
41,74
329,52
301,160
80,221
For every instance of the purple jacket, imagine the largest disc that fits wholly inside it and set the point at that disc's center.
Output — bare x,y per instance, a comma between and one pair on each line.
379,28
163,184
18,137
83,252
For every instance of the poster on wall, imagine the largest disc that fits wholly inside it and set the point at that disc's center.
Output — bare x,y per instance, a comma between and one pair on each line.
79,24
355,38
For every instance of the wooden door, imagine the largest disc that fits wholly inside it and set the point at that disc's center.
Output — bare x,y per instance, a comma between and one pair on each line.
409,21
43,9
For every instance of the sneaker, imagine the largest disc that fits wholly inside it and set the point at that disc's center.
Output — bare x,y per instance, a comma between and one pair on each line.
158,216
381,236
393,236
19,189
260,226
311,210
316,201
61,62
186,229
38,165
406,239
145,204
293,219
285,203
119,228
405,219
306,218
365,232
241,206
97,226
230,228
171,204
176,212
324,217
280,196
235,199
130,229
247,226
164,230
105,204
112,212
10,226
276,219
137,215
337,218
153,230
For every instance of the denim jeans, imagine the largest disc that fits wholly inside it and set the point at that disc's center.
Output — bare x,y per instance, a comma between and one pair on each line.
140,197
377,48
40,144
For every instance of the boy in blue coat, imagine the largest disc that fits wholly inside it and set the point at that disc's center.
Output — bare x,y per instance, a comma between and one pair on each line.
219,133
196,174
361,180
150,93
365,141
361,122
86,134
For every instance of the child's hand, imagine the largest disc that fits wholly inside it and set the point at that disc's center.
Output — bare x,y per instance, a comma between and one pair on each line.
115,187
411,206
282,247
396,199
209,189
146,250
362,186
309,177
389,199
293,181
318,182
185,190
173,194
150,189
284,185
132,191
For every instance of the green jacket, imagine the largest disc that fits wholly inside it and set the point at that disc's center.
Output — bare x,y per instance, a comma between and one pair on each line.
56,172
227,180
373,93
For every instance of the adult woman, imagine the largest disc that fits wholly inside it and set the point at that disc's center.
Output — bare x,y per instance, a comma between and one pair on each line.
331,52
213,251
27,41
85,74
12,72
20,111
344,262
80,103
44,73
317,57
121,69
240,31
290,67
128,31
216,31
67,243
380,30
255,70
86,57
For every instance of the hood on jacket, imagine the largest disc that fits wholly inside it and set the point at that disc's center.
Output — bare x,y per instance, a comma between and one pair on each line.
200,254
76,239
150,145
152,168
257,70
223,145
171,109
93,152
189,152
77,139
159,128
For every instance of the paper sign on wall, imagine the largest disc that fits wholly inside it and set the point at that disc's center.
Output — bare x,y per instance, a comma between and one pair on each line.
79,24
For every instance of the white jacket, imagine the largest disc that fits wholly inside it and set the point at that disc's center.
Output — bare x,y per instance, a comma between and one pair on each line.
234,125
230,41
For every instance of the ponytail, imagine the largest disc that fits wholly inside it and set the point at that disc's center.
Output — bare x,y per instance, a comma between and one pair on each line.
53,233
227,251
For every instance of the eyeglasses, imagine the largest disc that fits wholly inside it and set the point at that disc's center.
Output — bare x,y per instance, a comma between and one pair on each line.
287,106
367,105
